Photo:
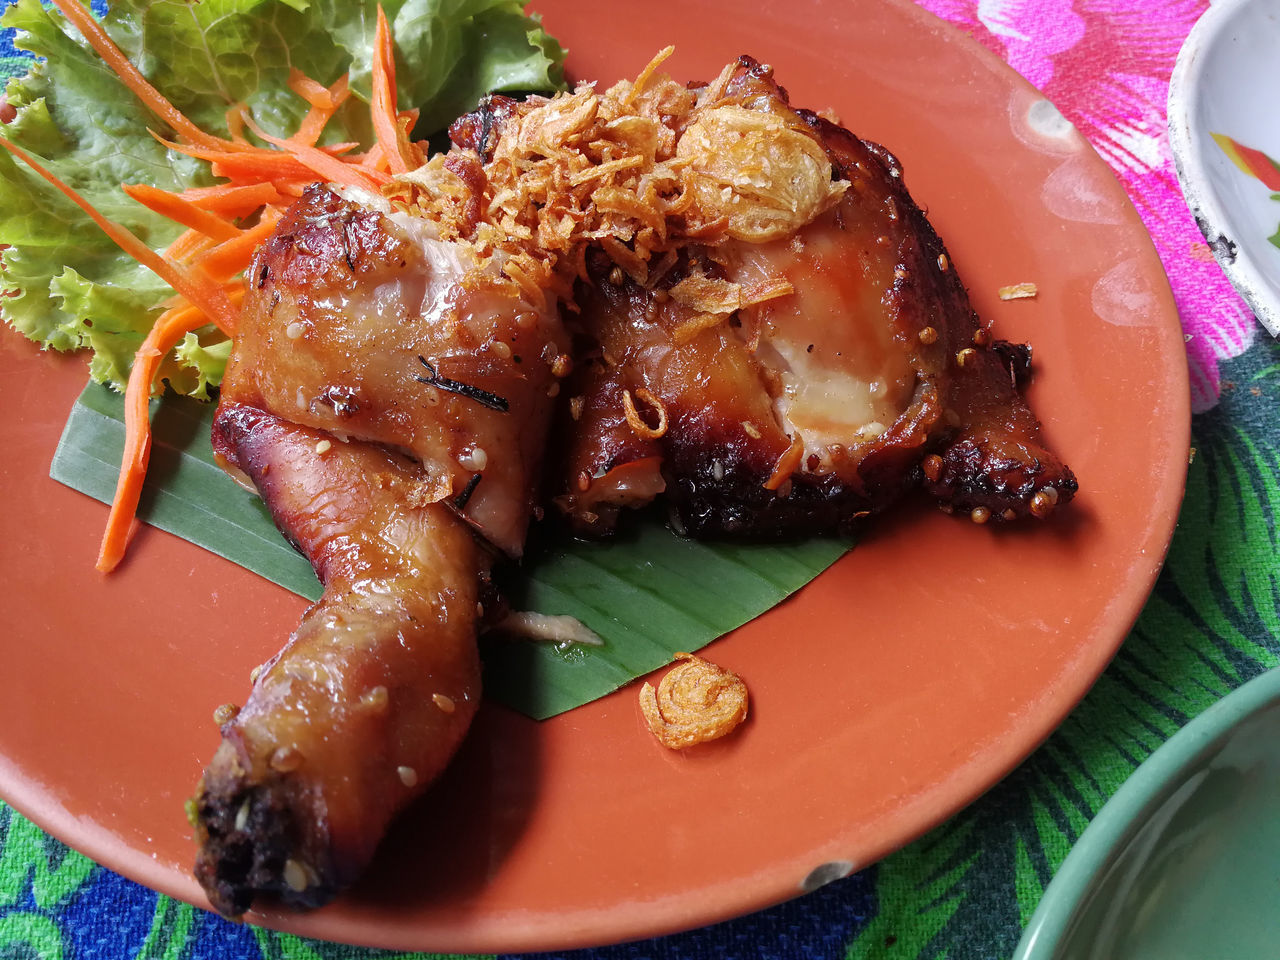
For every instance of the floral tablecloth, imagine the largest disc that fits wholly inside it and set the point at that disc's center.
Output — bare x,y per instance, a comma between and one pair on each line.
967,889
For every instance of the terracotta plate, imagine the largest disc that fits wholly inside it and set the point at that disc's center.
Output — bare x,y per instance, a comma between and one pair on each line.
889,694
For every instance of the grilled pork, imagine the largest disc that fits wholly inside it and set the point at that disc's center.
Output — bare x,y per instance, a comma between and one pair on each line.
789,379
764,328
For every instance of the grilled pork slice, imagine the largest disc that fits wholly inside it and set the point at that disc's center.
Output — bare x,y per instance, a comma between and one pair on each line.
372,693
791,377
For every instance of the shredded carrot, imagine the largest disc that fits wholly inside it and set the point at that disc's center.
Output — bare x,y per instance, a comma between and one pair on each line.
290,188
383,102
235,124
374,159
246,166
204,265
192,285
188,244
312,126
181,210
229,259
168,331
233,201
292,162
324,164
324,101
313,91
787,464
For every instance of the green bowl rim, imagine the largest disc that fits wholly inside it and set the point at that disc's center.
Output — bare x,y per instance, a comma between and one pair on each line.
1131,806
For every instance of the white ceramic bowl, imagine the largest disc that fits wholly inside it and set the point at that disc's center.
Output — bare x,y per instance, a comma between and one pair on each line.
1226,82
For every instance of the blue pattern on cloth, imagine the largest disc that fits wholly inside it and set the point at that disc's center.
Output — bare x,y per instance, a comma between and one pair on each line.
103,916
14,62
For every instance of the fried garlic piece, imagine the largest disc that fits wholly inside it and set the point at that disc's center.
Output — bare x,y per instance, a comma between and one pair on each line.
748,166
1018,291
695,702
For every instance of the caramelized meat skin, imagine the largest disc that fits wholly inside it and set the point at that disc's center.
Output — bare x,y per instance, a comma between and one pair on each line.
348,302
804,412
992,453
792,351
479,130
389,398
371,695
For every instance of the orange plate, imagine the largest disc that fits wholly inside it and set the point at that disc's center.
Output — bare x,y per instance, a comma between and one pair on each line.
886,696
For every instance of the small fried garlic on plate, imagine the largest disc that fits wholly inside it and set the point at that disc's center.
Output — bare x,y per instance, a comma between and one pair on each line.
1018,291
695,702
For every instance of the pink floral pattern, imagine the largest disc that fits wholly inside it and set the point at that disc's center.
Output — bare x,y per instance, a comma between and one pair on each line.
1106,64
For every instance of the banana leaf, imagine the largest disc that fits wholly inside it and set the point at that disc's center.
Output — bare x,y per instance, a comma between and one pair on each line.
648,593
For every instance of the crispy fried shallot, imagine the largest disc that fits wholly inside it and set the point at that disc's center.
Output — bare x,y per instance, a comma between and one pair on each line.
639,170
695,702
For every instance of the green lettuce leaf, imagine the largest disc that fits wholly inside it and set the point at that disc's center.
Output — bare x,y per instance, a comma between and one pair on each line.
67,285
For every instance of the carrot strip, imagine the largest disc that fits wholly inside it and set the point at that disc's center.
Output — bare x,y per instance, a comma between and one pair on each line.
249,167
319,162
215,154
169,329
181,210
332,169
324,105
231,200
188,244
290,188
312,126
192,285
316,93
382,104
333,149
114,57
292,162
230,258
235,124
243,167
375,158
787,464
312,91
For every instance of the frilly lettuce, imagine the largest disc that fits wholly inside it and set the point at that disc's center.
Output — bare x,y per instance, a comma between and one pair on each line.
66,285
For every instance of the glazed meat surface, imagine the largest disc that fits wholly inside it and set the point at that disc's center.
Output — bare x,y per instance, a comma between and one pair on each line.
792,384
764,329
360,322
372,693
388,397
